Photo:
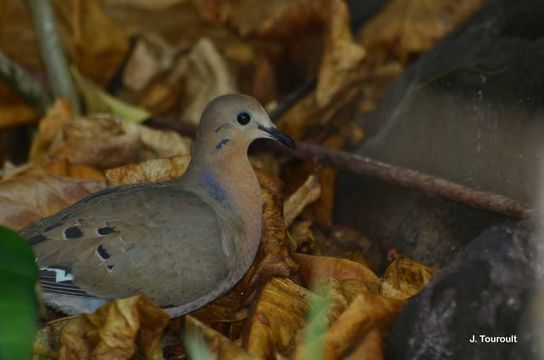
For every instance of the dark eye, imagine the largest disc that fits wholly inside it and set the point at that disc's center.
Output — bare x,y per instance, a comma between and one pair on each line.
243,118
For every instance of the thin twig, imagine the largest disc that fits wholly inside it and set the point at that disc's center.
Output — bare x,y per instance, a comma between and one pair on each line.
428,184
56,65
23,82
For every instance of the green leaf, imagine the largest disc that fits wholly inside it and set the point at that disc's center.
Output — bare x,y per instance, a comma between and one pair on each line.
317,322
196,346
99,101
18,301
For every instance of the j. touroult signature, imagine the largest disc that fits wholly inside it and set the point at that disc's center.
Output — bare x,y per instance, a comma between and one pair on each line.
493,339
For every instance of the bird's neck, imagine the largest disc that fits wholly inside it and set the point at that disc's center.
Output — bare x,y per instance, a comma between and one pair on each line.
229,180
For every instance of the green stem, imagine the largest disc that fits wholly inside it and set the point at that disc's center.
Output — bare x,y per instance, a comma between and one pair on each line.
56,65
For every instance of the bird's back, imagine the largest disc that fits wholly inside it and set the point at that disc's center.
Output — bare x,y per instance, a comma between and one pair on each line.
165,242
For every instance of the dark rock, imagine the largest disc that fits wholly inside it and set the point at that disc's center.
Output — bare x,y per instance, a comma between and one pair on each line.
488,289
471,111
427,230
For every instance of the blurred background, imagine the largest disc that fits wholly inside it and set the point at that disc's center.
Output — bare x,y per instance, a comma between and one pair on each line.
449,88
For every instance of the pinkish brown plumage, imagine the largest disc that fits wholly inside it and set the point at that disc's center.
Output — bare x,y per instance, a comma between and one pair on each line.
182,243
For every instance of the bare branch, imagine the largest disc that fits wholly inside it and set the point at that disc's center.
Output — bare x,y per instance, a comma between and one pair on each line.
428,184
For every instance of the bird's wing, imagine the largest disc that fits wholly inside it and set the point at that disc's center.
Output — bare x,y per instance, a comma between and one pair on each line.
164,242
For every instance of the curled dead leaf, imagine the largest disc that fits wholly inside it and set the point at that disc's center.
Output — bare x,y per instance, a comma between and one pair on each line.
49,130
16,23
365,313
411,27
301,237
341,55
218,345
225,309
273,258
93,40
405,278
369,348
207,76
37,192
155,170
120,329
101,141
155,5
354,278
276,319
274,18
13,110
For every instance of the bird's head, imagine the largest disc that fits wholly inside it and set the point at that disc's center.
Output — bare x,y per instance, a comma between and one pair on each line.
235,121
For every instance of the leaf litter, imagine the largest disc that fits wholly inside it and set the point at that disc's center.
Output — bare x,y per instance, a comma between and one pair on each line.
311,289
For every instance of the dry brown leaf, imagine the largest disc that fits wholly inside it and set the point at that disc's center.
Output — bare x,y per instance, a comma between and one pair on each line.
300,117
218,345
155,5
405,278
120,329
159,143
13,110
284,19
50,128
151,56
271,18
17,39
38,192
406,27
266,162
225,309
207,75
341,56
46,343
101,141
301,237
93,40
324,206
365,313
306,194
277,317
369,348
353,277
273,258
306,115
324,309
155,170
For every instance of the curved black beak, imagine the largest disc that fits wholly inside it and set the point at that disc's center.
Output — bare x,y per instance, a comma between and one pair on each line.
279,136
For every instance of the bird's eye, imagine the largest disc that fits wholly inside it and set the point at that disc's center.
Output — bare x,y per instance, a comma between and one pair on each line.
243,118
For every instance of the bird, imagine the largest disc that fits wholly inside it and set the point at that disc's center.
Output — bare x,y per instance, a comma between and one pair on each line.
182,243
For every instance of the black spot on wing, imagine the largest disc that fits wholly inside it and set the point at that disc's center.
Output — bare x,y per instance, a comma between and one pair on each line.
102,252
73,232
110,267
106,230
36,239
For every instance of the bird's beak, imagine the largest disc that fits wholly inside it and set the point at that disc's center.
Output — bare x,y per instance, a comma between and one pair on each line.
277,135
